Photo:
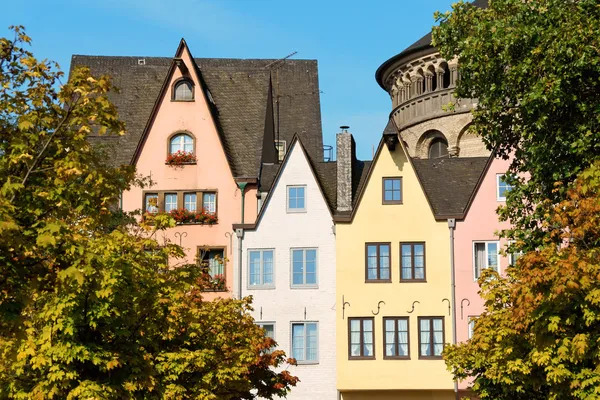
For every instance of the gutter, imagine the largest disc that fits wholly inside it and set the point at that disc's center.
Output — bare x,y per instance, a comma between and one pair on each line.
451,228
239,233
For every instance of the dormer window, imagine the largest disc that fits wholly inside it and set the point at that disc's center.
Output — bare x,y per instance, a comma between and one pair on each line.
183,90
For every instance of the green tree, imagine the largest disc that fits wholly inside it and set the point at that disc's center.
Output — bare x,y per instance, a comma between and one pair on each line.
540,335
534,66
91,306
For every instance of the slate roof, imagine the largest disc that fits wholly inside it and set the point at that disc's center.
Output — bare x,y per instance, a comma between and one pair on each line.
449,183
239,88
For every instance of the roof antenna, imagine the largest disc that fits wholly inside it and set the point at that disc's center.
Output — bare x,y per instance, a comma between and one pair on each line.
275,66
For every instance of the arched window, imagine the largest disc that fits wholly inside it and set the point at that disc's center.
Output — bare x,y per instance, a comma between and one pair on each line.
181,142
183,90
438,148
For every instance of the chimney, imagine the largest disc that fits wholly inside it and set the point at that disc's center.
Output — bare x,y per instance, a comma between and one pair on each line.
346,156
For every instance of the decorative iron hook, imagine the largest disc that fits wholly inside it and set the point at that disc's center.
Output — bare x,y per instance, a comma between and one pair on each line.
229,235
443,300
344,307
181,236
261,313
305,313
413,306
378,305
461,306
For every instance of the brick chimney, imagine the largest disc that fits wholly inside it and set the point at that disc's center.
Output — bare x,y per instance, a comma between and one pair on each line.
346,157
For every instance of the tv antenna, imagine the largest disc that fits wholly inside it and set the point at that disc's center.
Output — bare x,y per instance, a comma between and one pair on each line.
281,60
275,66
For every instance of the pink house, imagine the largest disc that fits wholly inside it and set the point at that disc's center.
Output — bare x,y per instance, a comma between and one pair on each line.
204,130
477,246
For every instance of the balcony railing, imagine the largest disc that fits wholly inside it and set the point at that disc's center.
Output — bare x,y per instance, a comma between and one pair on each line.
428,106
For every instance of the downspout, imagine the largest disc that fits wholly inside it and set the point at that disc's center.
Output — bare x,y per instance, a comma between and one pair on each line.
240,235
451,227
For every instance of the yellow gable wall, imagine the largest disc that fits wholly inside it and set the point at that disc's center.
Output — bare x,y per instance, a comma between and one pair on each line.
408,222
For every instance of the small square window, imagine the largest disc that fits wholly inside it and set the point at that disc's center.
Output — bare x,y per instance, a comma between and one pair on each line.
296,198
304,268
392,190
361,338
170,202
151,203
209,203
396,338
269,328
502,188
431,337
261,269
281,147
305,342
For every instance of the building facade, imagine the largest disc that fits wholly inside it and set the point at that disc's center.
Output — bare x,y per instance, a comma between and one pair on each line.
288,268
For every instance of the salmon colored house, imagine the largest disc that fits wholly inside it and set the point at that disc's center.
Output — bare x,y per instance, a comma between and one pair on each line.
203,131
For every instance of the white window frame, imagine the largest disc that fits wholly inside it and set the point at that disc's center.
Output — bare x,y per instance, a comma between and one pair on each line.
262,285
210,203
170,203
263,323
471,325
498,179
304,285
511,256
181,136
281,151
155,208
475,277
303,362
194,203
287,199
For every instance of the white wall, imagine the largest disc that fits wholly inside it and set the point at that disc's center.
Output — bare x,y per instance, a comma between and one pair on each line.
283,305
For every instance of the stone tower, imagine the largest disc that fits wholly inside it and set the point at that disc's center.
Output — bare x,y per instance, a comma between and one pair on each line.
420,83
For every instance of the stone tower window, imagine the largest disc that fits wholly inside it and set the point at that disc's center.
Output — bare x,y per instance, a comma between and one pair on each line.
438,148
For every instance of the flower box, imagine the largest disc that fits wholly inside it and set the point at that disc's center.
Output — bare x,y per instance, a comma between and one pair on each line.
183,216
181,158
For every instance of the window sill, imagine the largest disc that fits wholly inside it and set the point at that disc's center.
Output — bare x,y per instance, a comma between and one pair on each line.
304,287
181,164
183,101
292,211
413,281
386,203
358,358
434,358
215,290
378,281
307,362
261,287
396,357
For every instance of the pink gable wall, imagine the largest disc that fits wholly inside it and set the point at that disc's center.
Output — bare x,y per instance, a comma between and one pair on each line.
480,224
212,172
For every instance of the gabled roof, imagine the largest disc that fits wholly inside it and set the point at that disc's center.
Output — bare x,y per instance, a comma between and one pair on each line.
325,174
422,45
449,184
238,88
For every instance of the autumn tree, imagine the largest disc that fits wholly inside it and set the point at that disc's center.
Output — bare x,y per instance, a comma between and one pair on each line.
534,66
90,304
540,335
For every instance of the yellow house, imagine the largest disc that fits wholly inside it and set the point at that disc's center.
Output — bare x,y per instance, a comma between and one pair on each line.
394,277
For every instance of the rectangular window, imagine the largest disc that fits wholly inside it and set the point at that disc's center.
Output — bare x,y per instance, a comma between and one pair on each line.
412,259
396,337
269,328
502,188
472,321
431,337
361,339
170,202
514,256
209,203
305,342
296,198
280,146
151,202
214,261
485,256
190,201
378,262
261,269
304,267
392,190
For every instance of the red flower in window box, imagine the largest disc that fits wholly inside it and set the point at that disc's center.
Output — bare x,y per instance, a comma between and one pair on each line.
180,158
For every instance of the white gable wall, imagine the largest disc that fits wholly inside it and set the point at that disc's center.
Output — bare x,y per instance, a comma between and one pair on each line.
282,231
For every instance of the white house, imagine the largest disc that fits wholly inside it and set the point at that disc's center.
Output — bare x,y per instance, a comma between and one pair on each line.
288,266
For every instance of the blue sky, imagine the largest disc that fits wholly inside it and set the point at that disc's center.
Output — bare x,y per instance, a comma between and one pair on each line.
350,39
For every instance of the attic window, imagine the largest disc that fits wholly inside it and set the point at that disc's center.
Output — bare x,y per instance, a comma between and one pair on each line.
183,90
181,142
280,146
